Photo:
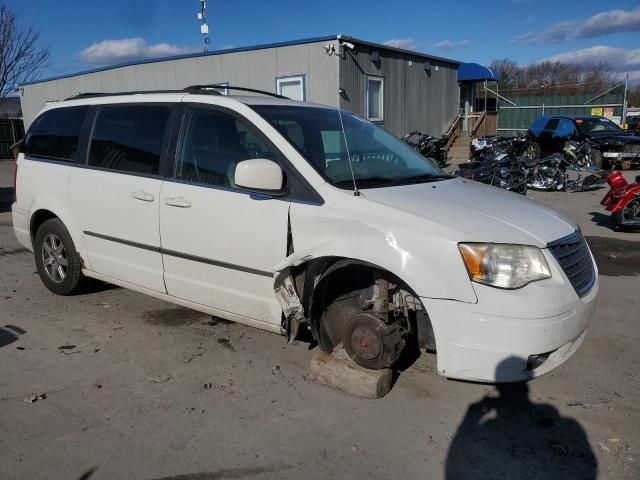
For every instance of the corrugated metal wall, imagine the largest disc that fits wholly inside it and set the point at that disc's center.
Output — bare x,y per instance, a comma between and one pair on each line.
413,99
514,120
255,69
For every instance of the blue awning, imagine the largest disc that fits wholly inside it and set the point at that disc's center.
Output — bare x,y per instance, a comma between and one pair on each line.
473,72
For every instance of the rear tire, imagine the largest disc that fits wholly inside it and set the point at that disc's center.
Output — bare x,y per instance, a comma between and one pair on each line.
532,151
630,213
57,259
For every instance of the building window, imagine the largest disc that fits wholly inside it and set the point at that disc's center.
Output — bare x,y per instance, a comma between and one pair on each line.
375,99
291,87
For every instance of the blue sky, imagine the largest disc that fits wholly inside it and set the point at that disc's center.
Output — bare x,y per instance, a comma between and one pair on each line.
90,33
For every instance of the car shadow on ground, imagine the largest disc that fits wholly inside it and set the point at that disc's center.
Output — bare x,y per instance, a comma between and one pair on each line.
9,334
6,199
603,220
509,436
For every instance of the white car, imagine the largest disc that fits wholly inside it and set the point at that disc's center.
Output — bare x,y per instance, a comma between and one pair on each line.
285,215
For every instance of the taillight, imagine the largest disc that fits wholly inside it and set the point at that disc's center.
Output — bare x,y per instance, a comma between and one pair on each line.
15,183
617,181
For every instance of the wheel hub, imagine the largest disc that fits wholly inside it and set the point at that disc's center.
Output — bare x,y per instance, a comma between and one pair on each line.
54,258
371,343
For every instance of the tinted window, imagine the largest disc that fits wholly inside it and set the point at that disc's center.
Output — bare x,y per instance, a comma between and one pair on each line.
538,125
565,128
129,138
55,133
551,126
213,143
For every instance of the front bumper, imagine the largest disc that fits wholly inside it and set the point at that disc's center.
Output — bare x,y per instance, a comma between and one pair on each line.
495,339
617,157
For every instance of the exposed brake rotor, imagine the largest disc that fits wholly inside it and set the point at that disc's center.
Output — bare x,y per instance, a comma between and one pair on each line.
371,343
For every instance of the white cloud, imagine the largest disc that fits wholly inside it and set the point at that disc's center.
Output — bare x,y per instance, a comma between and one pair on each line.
619,58
601,24
448,45
128,49
622,60
405,43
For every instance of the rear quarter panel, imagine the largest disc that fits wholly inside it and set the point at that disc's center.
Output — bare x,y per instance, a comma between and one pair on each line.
44,185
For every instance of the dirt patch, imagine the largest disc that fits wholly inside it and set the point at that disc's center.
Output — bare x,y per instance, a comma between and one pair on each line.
218,321
226,344
5,252
229,473
615,257
174,317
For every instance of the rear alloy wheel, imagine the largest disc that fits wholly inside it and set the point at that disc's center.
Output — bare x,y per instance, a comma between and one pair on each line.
532,151
57,260
629,214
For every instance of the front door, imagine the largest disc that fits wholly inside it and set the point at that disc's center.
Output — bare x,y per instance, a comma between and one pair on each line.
220,243
116,199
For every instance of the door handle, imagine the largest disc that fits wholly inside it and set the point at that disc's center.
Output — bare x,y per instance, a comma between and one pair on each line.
179,202
142,195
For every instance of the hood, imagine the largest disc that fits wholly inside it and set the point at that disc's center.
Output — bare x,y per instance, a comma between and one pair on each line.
623,138
479,212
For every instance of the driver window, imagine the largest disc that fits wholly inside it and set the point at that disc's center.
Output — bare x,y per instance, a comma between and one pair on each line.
213,143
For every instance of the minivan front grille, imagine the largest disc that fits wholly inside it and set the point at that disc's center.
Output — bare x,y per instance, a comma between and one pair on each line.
572,253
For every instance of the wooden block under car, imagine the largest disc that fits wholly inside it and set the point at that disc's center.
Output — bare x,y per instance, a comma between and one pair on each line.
338,371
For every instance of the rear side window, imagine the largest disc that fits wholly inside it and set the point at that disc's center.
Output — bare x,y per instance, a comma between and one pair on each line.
564,129
538,125
55,134
129,138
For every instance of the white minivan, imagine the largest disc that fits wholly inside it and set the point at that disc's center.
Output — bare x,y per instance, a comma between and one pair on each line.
286,215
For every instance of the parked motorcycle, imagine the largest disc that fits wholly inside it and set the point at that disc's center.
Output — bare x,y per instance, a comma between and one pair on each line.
430,147
484,146
623,200
573,170
495,161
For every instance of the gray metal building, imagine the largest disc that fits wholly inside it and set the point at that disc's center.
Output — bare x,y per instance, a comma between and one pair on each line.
400,89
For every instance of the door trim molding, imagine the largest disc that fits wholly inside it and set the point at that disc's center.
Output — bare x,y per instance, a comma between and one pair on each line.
184,256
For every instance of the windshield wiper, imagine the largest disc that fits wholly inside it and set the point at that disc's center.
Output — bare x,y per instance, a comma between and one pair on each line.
365,181
426,177
371,181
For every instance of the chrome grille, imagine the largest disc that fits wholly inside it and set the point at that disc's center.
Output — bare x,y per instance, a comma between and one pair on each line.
572,253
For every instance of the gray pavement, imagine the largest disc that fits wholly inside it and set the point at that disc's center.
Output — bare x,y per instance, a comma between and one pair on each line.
147,390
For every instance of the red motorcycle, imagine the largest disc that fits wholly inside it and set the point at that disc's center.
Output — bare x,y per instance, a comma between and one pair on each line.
623,200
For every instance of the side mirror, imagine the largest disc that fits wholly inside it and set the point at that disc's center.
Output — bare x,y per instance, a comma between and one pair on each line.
260,175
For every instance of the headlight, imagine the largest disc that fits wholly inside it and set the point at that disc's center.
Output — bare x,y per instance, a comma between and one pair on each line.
504,265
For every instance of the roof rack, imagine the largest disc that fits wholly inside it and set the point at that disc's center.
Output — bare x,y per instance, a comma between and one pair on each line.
136,92
212,89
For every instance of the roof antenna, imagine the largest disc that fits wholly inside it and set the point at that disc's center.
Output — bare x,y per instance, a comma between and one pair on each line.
204,28
330,50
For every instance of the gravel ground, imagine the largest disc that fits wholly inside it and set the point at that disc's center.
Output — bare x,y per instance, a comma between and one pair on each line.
137,388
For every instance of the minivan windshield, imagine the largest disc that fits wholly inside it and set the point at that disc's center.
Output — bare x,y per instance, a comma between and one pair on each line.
377,158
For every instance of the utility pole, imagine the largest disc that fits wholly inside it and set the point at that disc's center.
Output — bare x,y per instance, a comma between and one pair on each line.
204,28
624,101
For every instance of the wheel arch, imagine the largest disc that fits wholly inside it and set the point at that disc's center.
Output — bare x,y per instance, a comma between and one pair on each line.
51,207
311,279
